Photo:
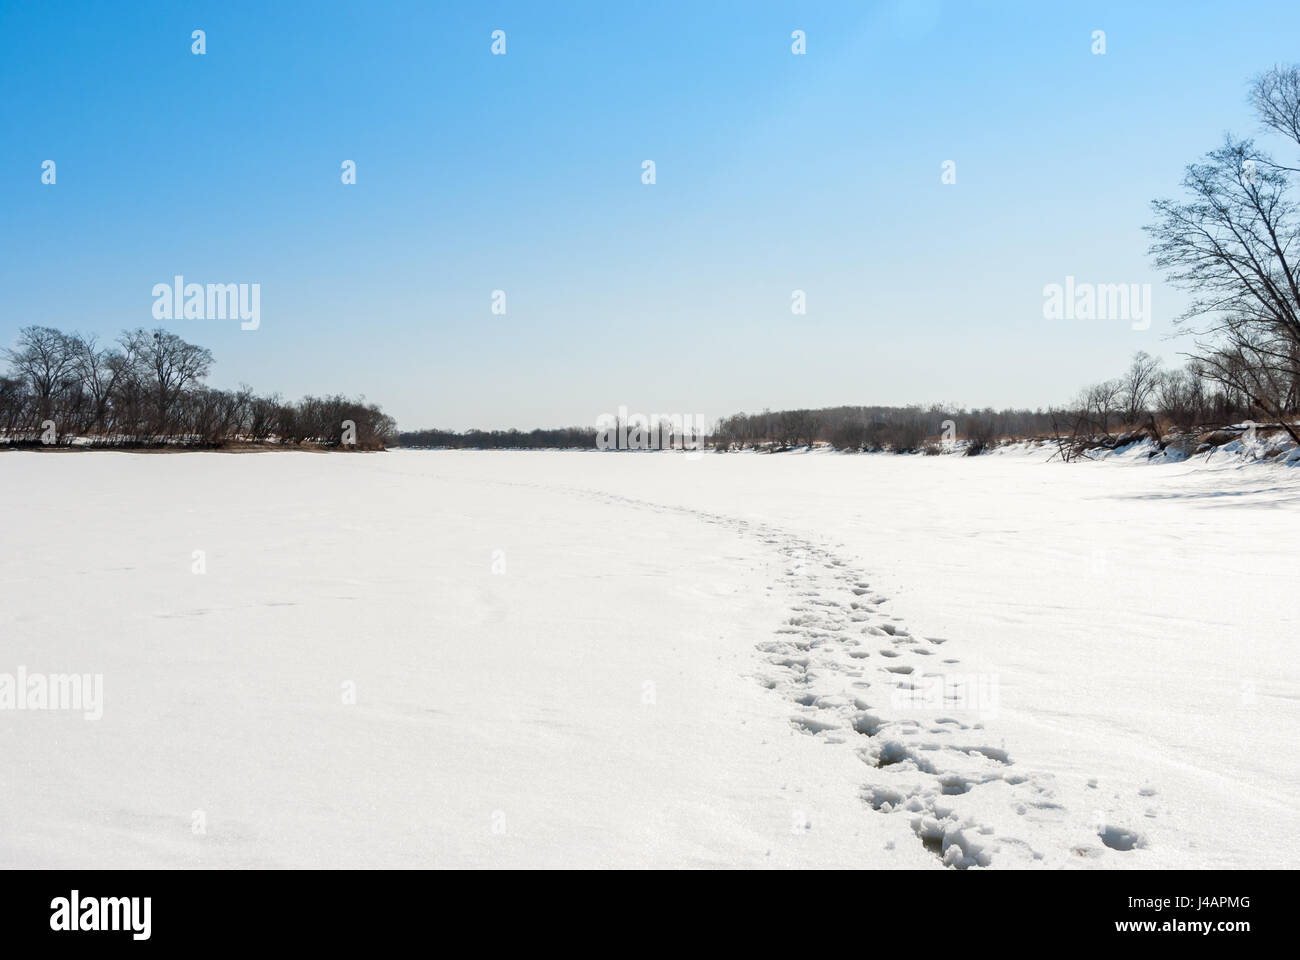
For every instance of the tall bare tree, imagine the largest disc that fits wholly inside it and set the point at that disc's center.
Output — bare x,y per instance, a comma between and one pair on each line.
97,371
167,365
1233,245
1137,386
43,358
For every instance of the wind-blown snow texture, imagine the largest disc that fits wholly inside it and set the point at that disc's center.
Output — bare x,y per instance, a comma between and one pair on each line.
652,659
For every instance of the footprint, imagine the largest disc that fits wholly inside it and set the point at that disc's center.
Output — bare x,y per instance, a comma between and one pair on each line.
813,725
1117,838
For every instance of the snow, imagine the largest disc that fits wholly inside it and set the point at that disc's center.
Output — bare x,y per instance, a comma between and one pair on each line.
577,659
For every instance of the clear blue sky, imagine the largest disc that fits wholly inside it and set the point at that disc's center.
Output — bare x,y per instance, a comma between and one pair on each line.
523,173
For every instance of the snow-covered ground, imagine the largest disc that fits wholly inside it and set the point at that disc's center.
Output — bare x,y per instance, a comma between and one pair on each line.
525,659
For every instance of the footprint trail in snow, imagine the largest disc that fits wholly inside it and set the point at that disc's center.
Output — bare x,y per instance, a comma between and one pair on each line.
859,680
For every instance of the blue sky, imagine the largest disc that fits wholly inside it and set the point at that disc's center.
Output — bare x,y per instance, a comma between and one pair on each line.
522,172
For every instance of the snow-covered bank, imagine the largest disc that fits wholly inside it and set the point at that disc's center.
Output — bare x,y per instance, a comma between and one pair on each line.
584,659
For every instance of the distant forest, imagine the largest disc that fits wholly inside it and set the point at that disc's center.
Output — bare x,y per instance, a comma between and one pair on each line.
147,390
1143,402
561,438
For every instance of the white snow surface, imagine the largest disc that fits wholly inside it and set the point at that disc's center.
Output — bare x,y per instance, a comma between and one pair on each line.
472,659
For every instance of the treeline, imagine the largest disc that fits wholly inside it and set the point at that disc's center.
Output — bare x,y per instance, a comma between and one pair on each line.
147,389
563,438
910,429
1146,402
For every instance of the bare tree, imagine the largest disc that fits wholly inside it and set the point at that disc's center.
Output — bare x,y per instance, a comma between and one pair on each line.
167,365
1137,386
980,429
1099,404
1275,95
43,359
1232,245
1180,398
97,371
